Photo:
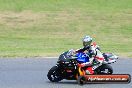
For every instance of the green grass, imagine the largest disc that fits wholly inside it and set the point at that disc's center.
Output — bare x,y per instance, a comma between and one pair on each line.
31,28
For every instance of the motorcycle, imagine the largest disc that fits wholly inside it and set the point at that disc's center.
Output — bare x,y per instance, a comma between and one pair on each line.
68,67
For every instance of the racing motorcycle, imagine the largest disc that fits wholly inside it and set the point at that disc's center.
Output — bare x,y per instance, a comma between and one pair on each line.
68,67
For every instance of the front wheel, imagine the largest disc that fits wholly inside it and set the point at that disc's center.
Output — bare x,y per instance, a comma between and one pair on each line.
54,74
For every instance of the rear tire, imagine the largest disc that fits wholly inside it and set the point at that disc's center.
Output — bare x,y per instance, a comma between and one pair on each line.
54,74
104,69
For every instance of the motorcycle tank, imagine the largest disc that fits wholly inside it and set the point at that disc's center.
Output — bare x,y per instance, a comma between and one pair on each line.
82,58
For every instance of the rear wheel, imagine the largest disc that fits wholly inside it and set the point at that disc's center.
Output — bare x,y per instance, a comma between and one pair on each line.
104,69
54,74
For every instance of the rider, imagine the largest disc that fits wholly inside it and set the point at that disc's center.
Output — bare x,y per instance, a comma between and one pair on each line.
94,53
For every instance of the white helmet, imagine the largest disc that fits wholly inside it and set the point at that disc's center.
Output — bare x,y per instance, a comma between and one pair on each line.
87,40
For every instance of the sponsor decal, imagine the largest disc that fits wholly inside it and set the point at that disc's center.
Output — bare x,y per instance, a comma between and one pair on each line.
114,78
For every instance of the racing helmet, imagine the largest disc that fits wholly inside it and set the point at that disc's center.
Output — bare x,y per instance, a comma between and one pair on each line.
87,40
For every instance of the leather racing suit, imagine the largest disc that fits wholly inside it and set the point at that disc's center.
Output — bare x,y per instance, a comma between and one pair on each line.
95,55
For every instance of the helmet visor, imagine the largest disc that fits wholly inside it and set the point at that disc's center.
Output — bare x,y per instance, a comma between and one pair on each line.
87,43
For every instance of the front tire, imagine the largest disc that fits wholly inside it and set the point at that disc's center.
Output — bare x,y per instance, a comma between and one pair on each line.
54,74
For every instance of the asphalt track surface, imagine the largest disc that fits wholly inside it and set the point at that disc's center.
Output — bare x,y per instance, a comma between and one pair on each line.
32,73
